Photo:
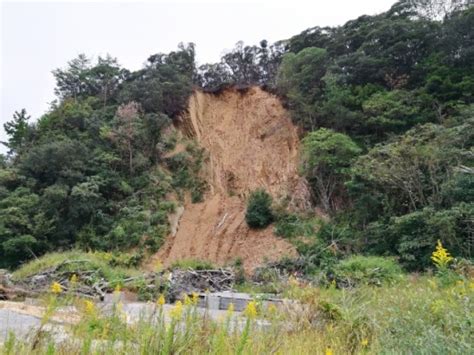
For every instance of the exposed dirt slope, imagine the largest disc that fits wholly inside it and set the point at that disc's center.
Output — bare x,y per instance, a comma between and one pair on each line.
251,143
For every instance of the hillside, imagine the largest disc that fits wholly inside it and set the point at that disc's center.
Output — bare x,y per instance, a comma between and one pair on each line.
314,195
250,143
383,107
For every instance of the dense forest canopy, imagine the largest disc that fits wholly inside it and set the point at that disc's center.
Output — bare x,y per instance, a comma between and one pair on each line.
386,108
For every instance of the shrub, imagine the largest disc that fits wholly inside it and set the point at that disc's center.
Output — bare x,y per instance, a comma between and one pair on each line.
373,270
259,213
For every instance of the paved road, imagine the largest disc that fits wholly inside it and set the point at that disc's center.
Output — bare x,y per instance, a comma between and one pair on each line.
23,325
20,324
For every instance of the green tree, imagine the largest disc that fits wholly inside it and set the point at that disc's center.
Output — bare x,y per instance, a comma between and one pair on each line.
300,79
24,228
126,130
388,112
165,84
64,161
72,81
17,129
325,160
411,171
105,77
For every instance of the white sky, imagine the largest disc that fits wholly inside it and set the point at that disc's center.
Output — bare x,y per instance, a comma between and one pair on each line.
37,37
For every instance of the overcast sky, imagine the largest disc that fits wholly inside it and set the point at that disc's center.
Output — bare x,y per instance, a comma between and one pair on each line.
37,37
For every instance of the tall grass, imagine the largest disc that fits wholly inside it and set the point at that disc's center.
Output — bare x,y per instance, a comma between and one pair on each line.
413,315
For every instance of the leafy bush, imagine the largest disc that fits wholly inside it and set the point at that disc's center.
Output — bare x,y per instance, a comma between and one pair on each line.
373,270
259,212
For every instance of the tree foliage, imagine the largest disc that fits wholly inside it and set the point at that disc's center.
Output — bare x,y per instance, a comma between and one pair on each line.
17,129
399,84
326,158
242,66
90,172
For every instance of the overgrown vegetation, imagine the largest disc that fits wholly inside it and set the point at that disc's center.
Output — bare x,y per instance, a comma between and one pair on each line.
389,118
91,173
426,313
113,267
81,272
374,270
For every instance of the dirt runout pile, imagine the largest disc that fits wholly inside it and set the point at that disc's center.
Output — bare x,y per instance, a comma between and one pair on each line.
251,143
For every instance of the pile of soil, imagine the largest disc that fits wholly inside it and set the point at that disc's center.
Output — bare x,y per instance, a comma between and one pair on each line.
251,143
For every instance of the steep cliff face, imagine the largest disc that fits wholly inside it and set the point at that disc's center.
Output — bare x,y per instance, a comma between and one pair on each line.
251,143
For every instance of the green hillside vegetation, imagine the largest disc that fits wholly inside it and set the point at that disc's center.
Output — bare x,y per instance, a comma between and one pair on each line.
385,104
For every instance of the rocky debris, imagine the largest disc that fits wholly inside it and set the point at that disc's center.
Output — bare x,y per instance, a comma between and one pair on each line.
8,291
5,278
189,281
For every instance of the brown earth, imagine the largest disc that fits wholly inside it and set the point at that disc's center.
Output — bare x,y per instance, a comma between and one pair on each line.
251,143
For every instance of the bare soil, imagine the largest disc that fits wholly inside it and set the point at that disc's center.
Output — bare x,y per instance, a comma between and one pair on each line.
251,143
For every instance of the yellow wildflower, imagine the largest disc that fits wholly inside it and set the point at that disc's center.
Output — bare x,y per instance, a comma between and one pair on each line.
230,308
118,288
440,256
158,266
195,298
56,288
106,330
437,307
187,300
120,312
177,311
364,342
328,351
272,309
161,300
251,310
433,284
89,307
73,279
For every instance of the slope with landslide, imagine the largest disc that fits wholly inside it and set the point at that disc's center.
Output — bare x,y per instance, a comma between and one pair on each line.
251,143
